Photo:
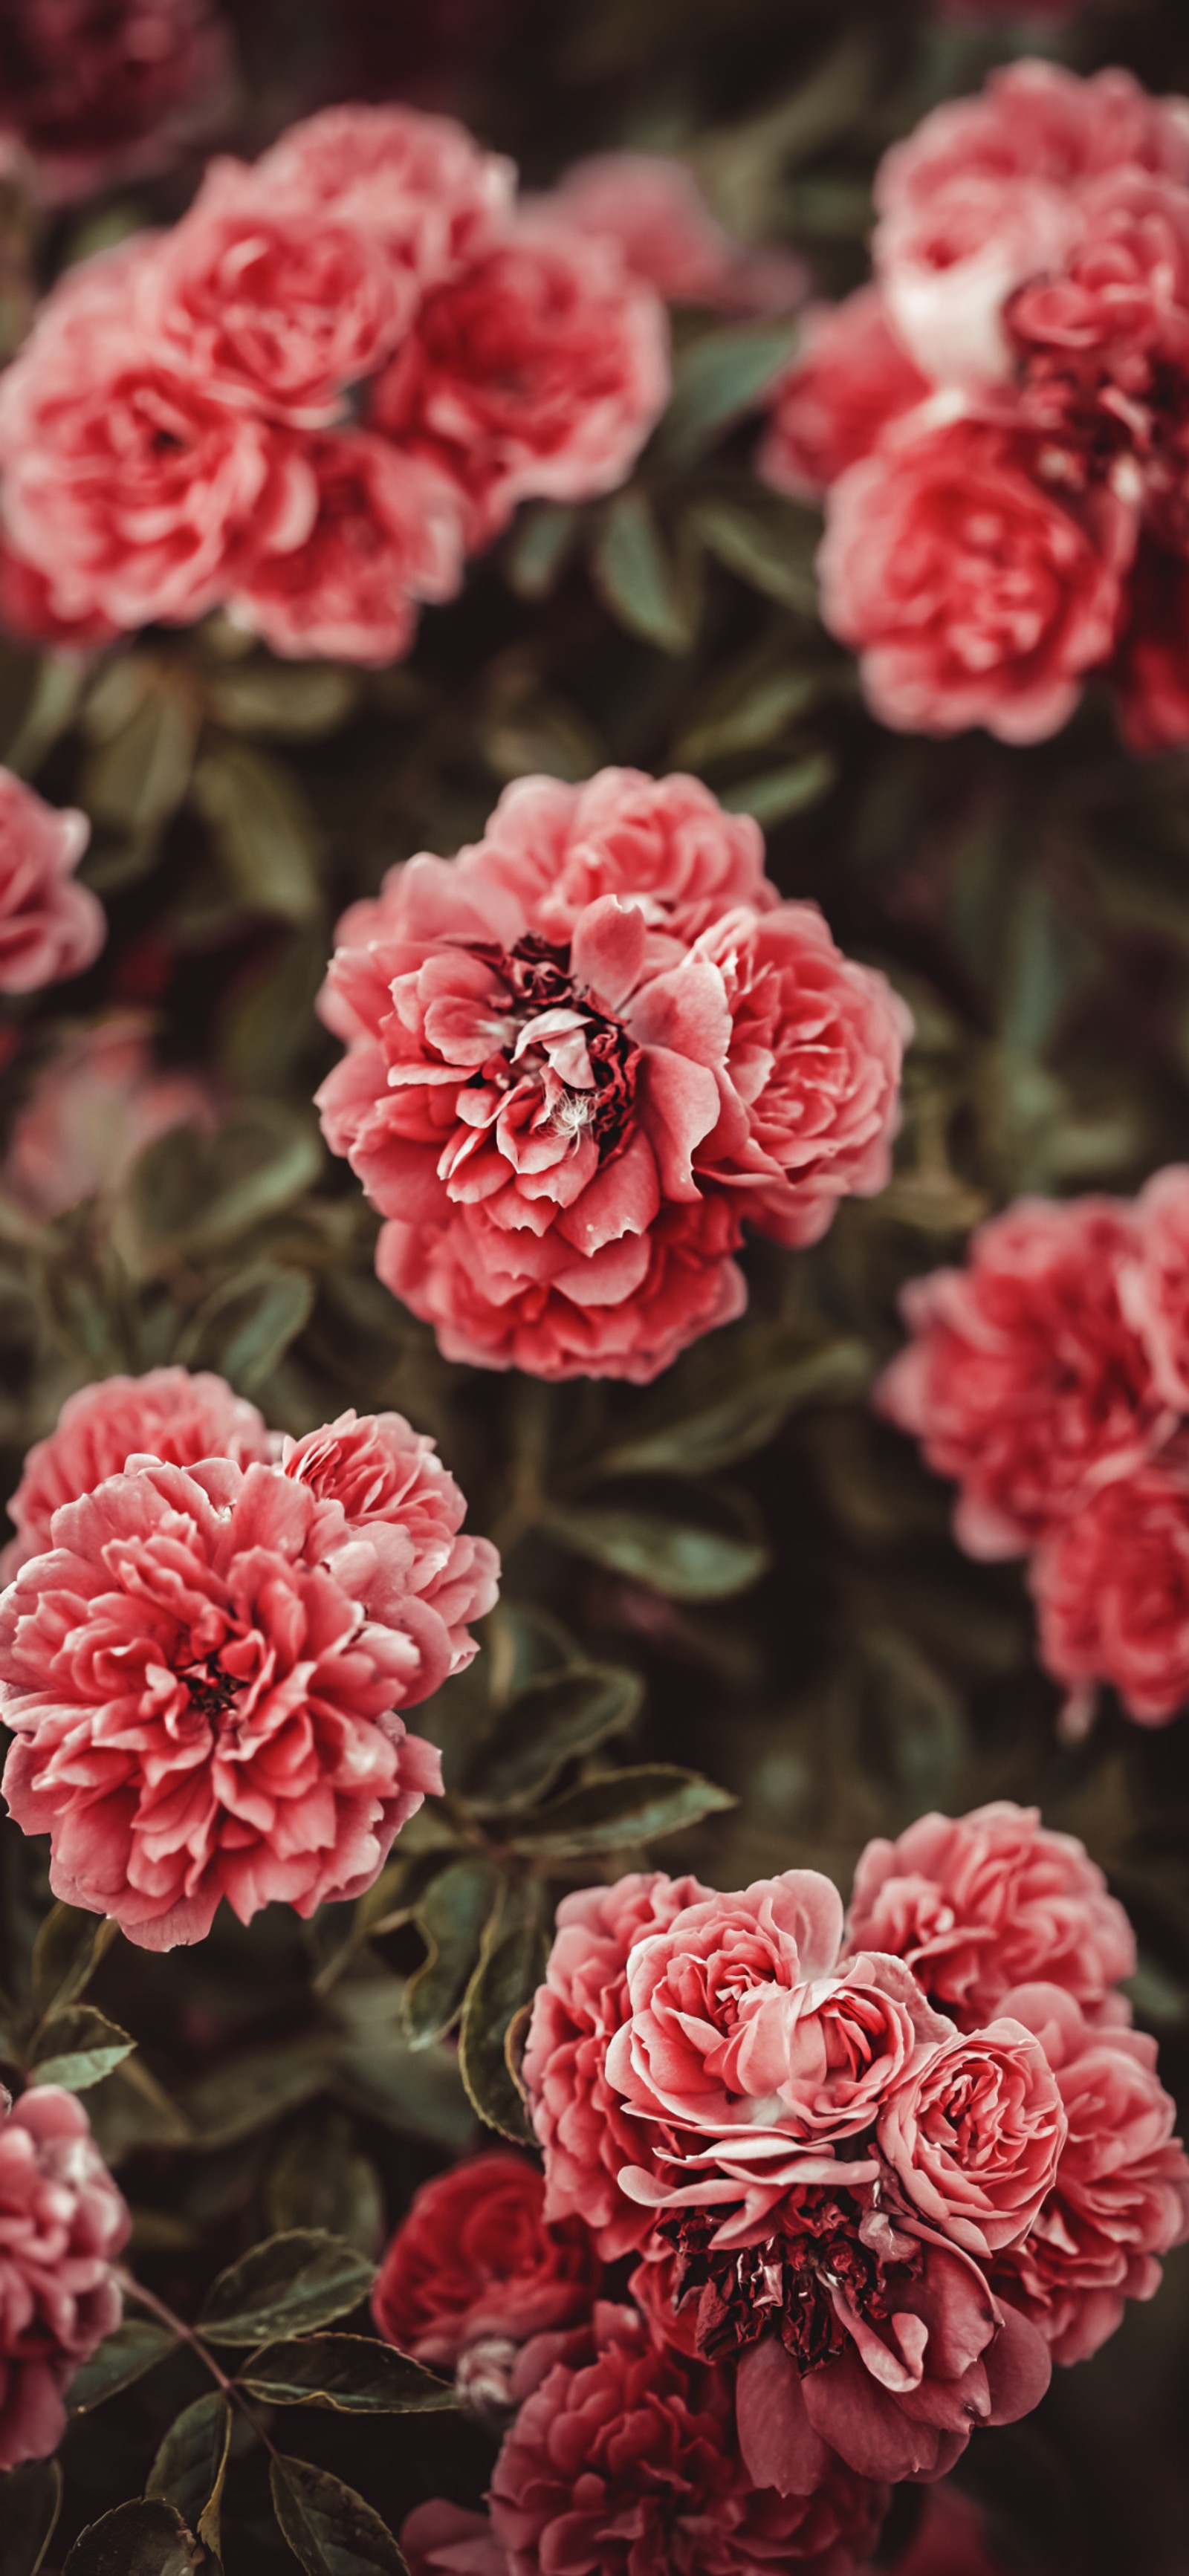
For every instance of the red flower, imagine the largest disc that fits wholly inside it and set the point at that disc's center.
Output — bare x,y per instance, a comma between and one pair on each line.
1024,1377
104,90
539,372
202,1677
49,926
653,208
1121,2194
1112,1594
575,1065
474,2269
62,2222
973,594
851,378
379,533
95,1105
979,1904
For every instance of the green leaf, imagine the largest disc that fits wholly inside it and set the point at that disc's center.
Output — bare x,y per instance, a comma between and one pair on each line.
30,2503
136,2346
300,700
639,580
553,1722
778,793
320,2177
765,542
131,2110
538,548
147,2538
722,1405
77,2048
190,1193
450,1919
354,2374
328,2527
244,1328
719,378
137,777
66,1954
190,2468
756,706
696,1544
288,2285
515,1951
264,831
621,1807
912,1729
417,2092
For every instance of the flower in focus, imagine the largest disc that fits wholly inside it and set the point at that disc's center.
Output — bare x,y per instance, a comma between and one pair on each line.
975,2135
49,926
474,2269
62,2223
173,1414
981,1903
104,90
93,1107
580,1054
652,206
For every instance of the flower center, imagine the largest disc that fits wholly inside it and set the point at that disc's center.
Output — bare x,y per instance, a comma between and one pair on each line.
781,2285
584,1063
211,1691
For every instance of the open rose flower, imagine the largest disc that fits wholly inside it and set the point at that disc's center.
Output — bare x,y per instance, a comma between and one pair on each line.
172,1413
580,1054
94,1106
202,1676
475,2268
378,534
981,1903
1112,1592
49,926
106,90
62,2223
975,2135
850,379
416,184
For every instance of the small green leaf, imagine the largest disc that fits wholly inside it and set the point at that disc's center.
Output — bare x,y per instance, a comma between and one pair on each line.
136,778
244,1328
695,1543
553,1722
415,2091
131,2110
190,2468
301,700
778,793
765,542
351,2373
263,828
515,1951
450,1919
146,2538
642,584
66,1954
717,379
30,2503
620,1808
190,1193
328,2527
288,2285
538,548
136,2346
758,705
77,2048
320,2177
721,1406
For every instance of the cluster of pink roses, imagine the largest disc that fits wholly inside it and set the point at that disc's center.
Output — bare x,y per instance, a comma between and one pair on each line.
872,2180
207,1634
1051,1377
1001,422
314,395
580,1055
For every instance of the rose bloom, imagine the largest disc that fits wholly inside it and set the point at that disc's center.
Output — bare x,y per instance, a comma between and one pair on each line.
440,2539
382,532
1024,1377
202,1676
829,409
62,2223
1121,2194
170,1414
972,593
1154,1287
653,208
129,487
979,1904
417,185
974,2137
25,609
538,373
1111,1586
49,926
93,1107
474,2269
580,1054
106,90
622,2460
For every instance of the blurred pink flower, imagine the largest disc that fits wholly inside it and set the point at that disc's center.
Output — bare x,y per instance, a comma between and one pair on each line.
96,1103
50,928
106,90
652,207
1111,1585
382,531
62,2222
849,381
416,184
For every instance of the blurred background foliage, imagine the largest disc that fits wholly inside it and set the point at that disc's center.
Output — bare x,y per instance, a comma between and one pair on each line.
737,1577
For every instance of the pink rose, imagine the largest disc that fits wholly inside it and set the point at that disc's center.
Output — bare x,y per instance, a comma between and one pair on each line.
1024,1377
379,533
417,185
202,1676
395,1492
622,2461
975,2135
584,2131
653,208
1154,1285
566,1093
25,609
539,372
169,1414
980,1904
850,378
440,2539
94,1106
1112,1592
1120,2198
106,90
49,926
474,2269
974,595
62,2223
